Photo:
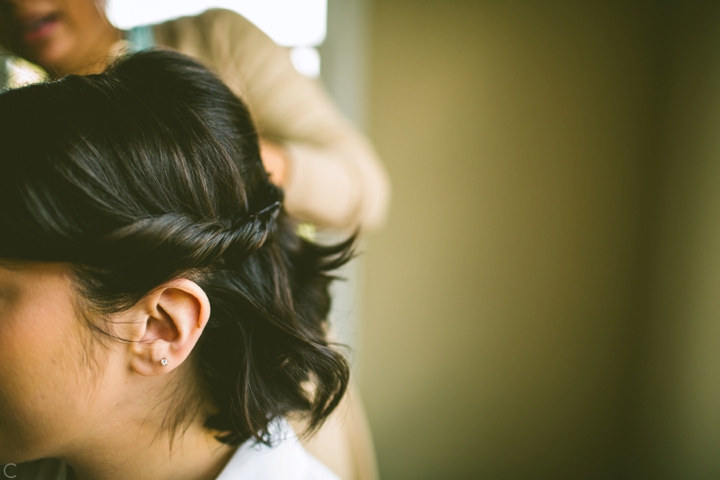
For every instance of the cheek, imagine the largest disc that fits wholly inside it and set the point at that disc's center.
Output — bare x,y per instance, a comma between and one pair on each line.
82,17
42,377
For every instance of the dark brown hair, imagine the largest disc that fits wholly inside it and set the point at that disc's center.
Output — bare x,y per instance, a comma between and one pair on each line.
151,171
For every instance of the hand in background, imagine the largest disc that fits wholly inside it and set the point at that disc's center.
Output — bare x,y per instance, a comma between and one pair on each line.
275,161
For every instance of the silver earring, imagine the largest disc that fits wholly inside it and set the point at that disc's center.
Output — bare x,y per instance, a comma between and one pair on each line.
163,362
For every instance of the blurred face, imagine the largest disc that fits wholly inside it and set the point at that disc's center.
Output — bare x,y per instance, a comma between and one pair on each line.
48,393
58,35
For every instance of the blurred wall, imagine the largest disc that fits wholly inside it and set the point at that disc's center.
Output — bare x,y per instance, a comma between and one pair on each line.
502,300
677,433
544,301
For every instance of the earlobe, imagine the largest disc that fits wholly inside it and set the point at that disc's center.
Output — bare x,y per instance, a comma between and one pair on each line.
175,316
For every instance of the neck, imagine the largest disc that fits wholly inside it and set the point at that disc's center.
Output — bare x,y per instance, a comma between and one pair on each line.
143,453
92,56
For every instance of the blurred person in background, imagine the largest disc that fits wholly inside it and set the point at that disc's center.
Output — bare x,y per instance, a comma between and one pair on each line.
328,170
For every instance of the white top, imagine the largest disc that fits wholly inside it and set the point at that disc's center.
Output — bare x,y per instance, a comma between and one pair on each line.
286,459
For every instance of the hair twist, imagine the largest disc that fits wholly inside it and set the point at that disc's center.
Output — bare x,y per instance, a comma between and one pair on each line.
196,243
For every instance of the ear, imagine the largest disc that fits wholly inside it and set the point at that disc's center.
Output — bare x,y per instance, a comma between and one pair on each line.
166,325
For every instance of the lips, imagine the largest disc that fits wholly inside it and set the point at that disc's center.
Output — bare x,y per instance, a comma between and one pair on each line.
38,28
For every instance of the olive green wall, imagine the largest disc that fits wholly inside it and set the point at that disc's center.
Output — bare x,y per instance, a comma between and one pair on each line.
545,300
501,301
677,430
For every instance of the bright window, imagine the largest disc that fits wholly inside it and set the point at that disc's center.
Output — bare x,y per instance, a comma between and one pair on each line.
292,23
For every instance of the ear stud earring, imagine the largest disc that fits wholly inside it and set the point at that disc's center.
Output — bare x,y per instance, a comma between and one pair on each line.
163,362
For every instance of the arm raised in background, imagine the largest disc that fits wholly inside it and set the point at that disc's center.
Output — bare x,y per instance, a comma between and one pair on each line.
333,176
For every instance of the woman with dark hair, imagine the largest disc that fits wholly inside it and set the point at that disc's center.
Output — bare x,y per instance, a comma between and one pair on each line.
159,317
